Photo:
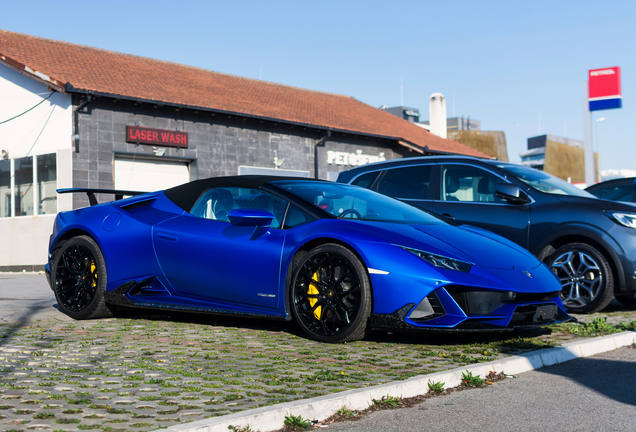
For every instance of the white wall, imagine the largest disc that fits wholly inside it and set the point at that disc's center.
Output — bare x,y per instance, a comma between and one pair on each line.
25,240
45,129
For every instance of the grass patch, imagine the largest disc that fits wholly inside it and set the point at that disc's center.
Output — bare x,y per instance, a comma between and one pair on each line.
148,398
387,402
67,421
471,381
72,411
297,422
435,387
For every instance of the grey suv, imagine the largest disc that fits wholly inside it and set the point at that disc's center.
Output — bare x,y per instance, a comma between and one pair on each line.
589,243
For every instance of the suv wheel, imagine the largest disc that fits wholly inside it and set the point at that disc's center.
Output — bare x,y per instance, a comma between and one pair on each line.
586,277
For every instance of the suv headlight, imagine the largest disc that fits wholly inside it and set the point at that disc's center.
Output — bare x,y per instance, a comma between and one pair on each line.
625,219
441,261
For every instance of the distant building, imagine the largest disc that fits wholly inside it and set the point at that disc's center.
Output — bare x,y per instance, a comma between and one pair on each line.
409,114
463,130
562,157
461,123
611,174
469,133
493,143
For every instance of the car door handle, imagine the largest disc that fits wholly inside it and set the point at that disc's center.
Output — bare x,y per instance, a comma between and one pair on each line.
447,216
166,236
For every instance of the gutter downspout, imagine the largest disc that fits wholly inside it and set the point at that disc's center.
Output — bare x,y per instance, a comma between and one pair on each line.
76,121
320,142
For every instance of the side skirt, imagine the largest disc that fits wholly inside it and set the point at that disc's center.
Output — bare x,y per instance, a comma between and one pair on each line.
119,297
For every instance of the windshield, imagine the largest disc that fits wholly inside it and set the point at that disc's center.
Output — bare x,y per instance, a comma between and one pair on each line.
353,202
544,182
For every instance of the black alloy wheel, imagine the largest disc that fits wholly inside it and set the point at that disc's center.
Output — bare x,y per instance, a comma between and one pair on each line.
331,295
586,277
79,278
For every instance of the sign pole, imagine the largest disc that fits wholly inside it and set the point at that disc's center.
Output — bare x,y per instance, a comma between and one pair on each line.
587,125
601,92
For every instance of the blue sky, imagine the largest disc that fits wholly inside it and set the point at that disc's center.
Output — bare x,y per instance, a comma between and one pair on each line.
518,67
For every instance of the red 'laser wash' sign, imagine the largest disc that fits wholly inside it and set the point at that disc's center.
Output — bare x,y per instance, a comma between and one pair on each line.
136,134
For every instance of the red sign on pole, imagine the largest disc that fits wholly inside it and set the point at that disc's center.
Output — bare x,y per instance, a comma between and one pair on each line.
605,88
162,137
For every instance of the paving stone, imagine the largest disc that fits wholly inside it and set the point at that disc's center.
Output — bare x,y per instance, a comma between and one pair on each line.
141,373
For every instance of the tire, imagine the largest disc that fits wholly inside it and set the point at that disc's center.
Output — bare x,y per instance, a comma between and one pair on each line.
628,300
78,273
331,295
586,277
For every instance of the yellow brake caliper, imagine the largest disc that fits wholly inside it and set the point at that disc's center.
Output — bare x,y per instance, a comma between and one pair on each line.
93,273
314,291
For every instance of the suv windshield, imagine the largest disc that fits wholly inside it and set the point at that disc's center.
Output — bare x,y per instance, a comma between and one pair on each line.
543,182
353,202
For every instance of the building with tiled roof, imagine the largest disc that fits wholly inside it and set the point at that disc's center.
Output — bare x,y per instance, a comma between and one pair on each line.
77,116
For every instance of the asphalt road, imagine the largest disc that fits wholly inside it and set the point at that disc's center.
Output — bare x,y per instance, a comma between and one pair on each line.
589,394
27,298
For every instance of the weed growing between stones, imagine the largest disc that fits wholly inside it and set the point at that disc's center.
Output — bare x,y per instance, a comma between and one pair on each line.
127,370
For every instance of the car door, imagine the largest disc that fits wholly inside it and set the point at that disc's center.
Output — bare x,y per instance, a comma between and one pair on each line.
203,254
411,184
467,195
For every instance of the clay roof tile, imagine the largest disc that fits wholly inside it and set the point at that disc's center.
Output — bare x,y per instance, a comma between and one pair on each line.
128,76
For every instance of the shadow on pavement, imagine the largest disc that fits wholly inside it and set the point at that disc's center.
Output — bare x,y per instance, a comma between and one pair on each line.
290,327
23,319
22,304
614,379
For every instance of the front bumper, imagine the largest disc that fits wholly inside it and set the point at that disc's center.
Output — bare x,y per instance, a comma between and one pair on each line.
470,310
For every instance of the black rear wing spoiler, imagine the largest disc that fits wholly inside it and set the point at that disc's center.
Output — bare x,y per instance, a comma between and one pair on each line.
119,194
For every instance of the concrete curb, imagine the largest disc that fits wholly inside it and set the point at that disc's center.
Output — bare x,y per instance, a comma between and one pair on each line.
273,417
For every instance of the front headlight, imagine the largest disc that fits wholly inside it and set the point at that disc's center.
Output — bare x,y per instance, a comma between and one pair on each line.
441,261
625,219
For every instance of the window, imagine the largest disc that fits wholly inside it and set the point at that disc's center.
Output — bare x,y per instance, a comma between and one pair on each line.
408,183
32,190
24,186
5,188
366,180
616,193
533,157
542,181
469,184
47,183
216,203
296,217
354,203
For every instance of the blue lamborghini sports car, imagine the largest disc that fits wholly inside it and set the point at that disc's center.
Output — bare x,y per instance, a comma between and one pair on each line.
339,259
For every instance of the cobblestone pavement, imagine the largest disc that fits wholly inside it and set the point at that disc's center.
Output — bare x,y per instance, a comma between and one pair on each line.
143,372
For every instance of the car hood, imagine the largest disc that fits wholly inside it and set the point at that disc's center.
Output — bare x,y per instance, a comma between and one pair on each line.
466,243
598,203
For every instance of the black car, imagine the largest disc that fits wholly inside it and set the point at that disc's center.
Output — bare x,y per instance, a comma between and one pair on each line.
623,189
590,244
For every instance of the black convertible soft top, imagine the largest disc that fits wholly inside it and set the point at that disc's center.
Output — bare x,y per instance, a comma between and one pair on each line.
187,194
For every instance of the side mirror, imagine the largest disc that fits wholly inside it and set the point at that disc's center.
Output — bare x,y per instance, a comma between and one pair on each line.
511,193
249,217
